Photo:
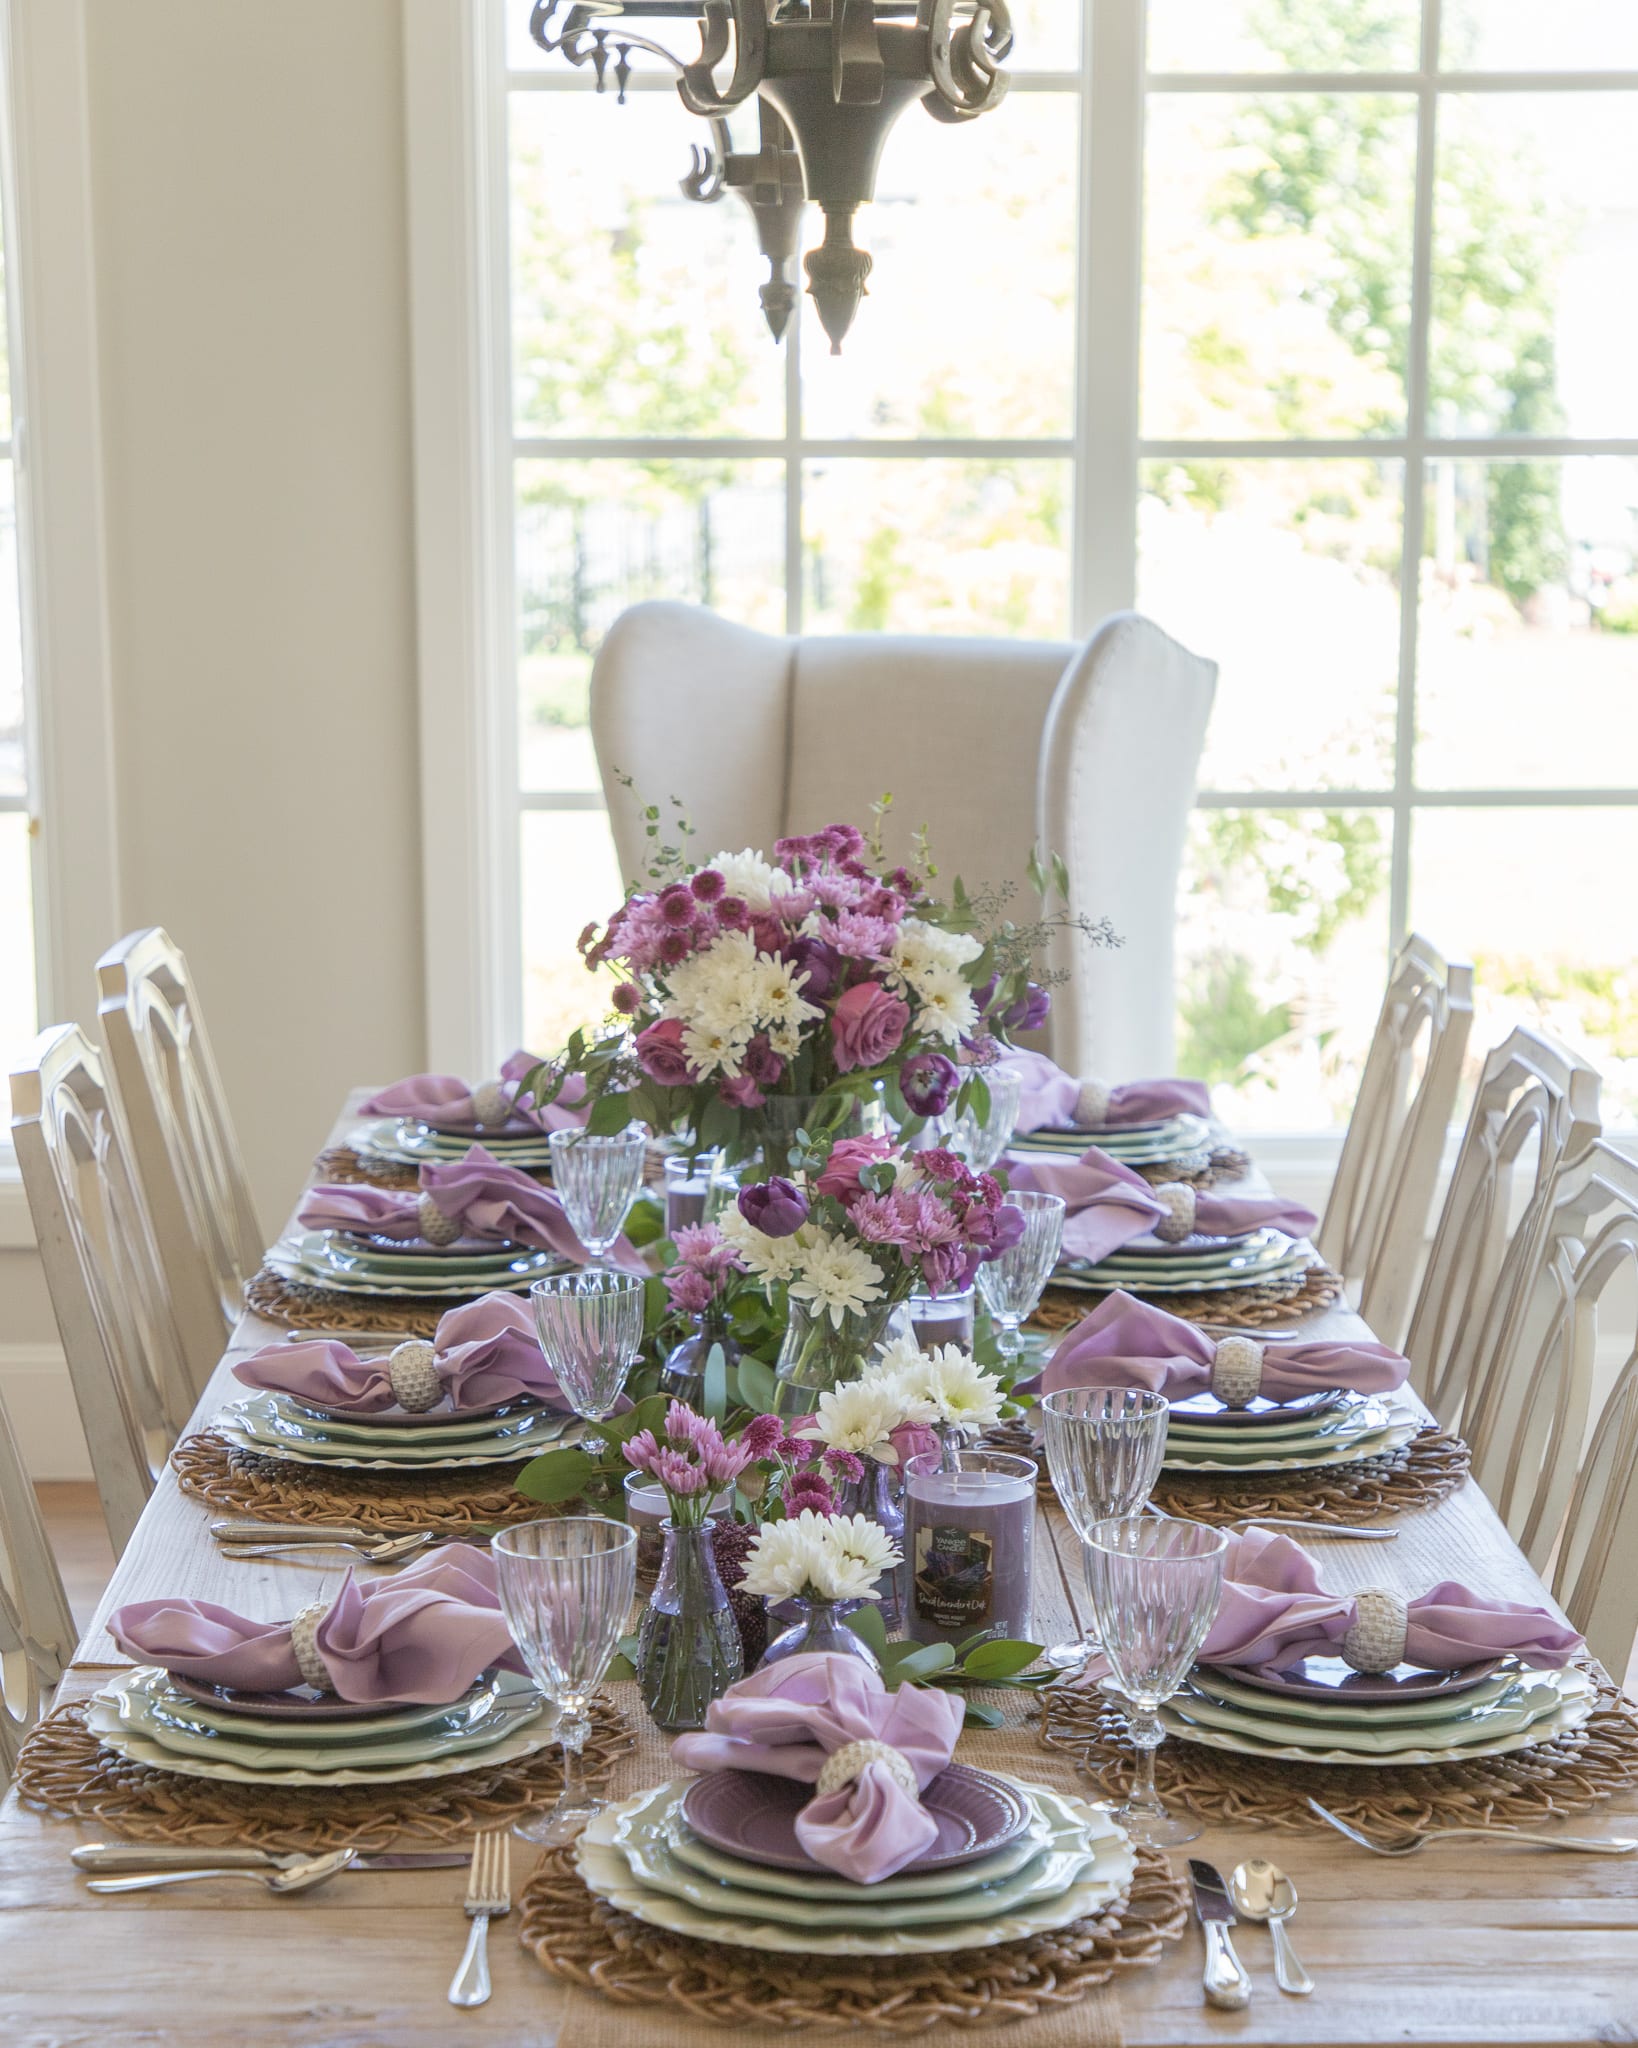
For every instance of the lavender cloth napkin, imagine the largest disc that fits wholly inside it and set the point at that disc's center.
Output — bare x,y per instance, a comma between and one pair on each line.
1274,1610
1129,1343
1108,1204
419,1638
446,1102
1048,1099
788,1718
492,1203
485,1353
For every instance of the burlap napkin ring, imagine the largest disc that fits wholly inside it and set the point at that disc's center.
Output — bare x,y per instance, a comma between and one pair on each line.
413,1371
1237,1371
1376,1641
1179,1201
1092,1105
842,1766
491,1107
435,1226
304,1643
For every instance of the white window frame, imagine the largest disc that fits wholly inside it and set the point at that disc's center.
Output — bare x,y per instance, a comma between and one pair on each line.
45,180
457,91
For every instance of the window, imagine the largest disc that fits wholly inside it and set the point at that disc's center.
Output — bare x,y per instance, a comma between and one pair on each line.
1385,470
18,1013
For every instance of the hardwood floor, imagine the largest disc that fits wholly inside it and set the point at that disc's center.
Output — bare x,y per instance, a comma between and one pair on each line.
85,1557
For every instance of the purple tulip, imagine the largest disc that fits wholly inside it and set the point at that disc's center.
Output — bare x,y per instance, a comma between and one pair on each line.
1031,1010
777,1207
927,1080
821,964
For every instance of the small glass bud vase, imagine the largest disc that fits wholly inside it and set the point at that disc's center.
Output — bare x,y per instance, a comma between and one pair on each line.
688,1649
880,1496
820,1625
682,1377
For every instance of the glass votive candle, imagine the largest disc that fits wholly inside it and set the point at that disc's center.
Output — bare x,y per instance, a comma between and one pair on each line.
937,1319
969,1544
647,1509
695,1189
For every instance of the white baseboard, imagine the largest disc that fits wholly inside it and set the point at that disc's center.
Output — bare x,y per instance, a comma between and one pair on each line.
40,1401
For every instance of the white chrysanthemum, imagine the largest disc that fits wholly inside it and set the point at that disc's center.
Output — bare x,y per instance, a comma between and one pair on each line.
818,1557
860,1417
922,948
837,1279
770,1258
777,995
894,1358
945,1007
752,879
710,1051
948,1386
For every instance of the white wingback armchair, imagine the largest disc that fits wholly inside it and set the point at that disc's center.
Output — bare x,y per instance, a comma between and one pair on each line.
995,746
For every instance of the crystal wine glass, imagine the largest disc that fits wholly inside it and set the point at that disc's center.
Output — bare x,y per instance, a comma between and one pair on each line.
1011,1285
1155,1585
565,1589
1104,1448
597,1179
590,1325
982,1140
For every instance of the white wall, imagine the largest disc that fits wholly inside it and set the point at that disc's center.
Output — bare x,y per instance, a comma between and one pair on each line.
249,200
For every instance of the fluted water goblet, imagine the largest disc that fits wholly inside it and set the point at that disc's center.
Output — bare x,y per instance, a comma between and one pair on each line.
1104,1447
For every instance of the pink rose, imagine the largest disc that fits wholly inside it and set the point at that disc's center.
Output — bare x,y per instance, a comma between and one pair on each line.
913,1440
660,1054
841,1175
742,1092
867,1025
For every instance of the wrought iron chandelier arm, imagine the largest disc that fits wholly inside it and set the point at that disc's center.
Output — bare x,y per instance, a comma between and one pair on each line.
965,57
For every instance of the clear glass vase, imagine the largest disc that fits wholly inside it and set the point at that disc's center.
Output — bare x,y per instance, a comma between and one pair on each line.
821,1625
772,1128
682,1377
818,1354
880,1495
688,1650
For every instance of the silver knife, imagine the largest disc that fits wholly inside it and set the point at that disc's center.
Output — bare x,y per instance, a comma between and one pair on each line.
110,1856
1225,1980
238,1531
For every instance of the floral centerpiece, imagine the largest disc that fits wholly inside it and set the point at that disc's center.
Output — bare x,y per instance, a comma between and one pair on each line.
758,996
856,1230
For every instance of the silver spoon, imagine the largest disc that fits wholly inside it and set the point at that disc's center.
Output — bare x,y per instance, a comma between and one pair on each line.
1261,1891
302,1877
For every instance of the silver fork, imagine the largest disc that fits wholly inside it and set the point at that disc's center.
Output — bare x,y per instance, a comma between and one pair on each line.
1586,1845
488,1897
385,1551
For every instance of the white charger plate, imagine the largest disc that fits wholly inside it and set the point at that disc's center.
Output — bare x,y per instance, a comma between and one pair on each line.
607,1873
1351,1451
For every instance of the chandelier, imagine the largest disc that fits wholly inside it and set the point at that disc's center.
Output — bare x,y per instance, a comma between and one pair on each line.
831,77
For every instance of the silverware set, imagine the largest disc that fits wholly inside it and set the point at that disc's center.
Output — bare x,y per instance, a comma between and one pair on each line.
269,1539
1416,1839
298,1872
1258,1891
488,1897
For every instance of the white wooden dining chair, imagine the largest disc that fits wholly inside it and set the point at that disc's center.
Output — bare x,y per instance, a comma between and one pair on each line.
1535,1107
1389,1165
36,1626
184,1146
102,1270
995,746
1569,1495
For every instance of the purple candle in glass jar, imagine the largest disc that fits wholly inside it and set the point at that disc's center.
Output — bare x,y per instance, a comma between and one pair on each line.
969,1542
939,1319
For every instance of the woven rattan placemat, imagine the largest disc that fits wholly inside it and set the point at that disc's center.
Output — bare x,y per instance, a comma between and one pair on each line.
1432,1465
302,1307
579,1938
1243,1308
1521,1789
65,1771
279,1490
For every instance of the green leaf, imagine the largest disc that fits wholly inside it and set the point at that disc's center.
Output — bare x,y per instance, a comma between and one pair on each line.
1000,1659
645,1221
649,1413
1035,872
557,1476
1060,875
622,1666
982,1716
867,1624
609,1114
976,1098
718,1125
757,1385
715,1394
924,1661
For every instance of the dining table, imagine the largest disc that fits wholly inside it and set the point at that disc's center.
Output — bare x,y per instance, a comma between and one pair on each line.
1465,1942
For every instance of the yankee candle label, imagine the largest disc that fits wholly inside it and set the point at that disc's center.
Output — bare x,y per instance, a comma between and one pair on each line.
955,1580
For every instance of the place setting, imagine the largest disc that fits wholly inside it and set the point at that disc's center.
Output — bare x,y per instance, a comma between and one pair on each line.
1155,1123
439,1117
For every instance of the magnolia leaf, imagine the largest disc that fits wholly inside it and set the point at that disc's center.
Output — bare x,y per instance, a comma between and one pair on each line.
718,1125
609,1114
976,1098
757,1385
645,1221
557,1476
622,1666
923,1660
981,1716
715,1394
1000,1659
867,1624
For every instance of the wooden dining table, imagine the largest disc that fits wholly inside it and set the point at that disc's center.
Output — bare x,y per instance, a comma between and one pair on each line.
1467,1942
